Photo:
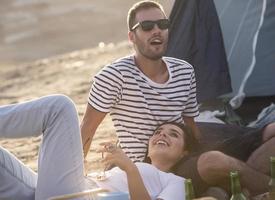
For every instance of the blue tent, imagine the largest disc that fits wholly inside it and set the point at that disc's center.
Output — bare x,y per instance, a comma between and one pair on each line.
231,45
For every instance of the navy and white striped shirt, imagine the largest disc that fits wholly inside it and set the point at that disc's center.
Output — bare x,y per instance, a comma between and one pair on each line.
138,105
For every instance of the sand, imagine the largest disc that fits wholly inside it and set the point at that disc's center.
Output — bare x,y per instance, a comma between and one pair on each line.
68,74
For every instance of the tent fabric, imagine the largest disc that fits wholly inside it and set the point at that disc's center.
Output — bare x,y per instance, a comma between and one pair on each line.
249,37
247,34
195,36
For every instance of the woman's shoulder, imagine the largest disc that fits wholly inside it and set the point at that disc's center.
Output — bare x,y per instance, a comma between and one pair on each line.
151,168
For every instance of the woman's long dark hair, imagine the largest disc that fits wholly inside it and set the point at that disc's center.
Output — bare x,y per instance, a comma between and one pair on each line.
190,142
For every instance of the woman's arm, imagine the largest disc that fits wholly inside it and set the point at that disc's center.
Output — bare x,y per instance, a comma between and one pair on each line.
136,186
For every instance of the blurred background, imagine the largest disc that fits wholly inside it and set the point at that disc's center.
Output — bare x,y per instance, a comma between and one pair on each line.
35,29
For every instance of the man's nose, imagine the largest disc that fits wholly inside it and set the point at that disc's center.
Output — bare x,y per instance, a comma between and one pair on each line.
156,28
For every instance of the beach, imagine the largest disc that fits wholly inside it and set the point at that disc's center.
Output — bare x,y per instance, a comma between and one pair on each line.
56,48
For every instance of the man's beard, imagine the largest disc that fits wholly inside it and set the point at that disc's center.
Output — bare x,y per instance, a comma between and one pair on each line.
150,54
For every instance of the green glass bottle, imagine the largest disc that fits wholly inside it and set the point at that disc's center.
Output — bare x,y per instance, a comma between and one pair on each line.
189,190
271,183
236,187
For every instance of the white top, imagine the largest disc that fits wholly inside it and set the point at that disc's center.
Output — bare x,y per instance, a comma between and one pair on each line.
138,105
159,184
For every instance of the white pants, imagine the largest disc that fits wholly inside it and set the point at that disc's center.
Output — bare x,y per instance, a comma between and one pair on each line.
60,162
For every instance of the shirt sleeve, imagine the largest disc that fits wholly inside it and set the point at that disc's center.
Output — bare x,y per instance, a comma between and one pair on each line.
106,89
174,189
192,109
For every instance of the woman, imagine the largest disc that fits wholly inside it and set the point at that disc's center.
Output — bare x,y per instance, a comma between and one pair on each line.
60,164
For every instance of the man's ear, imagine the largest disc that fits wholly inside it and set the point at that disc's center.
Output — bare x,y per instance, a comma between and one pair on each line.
131,36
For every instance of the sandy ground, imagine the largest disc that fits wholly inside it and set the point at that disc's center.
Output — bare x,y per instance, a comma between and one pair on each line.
51,47
69,74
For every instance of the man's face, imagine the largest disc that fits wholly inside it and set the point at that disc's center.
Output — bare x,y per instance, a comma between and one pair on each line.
151,44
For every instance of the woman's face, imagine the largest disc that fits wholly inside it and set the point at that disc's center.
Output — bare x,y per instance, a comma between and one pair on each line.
167,142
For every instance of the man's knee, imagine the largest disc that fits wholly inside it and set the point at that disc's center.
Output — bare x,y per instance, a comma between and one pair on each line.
269,132
213,166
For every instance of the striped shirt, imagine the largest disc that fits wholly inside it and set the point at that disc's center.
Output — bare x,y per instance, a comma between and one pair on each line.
137,105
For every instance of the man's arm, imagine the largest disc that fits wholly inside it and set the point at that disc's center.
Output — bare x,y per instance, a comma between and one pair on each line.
92,118
189,121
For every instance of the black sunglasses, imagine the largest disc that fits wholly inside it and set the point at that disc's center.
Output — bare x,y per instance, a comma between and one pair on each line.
149,25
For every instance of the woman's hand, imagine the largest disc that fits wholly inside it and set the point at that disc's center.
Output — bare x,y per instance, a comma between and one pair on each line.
114,155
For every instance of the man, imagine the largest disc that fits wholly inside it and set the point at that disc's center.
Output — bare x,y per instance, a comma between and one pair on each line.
226,148
143,90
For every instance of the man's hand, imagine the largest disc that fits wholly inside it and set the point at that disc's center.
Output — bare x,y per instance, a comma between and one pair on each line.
85,167
190,122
